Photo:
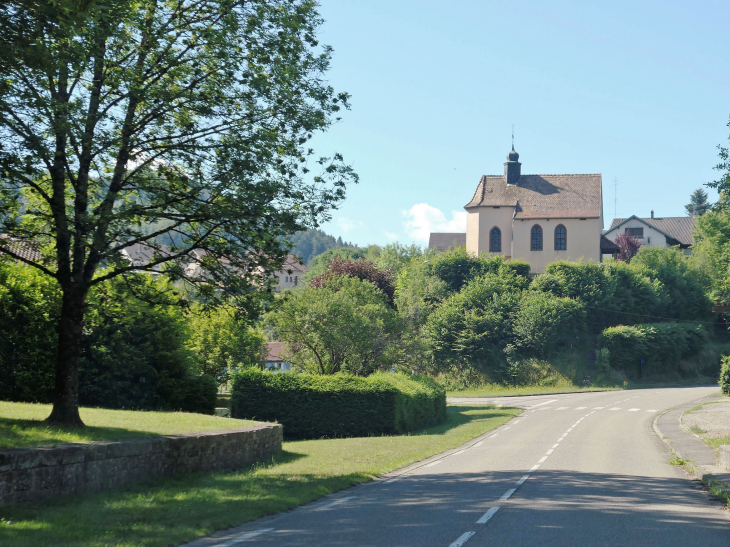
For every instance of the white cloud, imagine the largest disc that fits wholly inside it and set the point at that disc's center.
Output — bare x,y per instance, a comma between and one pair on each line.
422,219
348,225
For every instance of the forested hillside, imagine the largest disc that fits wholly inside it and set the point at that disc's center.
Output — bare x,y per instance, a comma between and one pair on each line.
313,242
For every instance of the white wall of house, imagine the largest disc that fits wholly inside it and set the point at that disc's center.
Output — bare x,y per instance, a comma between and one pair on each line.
651,237
281,366
287,281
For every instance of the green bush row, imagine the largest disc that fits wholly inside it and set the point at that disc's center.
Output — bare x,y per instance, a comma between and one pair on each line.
312,406
658,344
725,376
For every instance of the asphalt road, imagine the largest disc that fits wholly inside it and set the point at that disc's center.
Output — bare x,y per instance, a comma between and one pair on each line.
579,469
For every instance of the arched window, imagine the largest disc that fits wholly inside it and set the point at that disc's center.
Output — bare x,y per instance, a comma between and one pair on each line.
536,238
561,238
495,240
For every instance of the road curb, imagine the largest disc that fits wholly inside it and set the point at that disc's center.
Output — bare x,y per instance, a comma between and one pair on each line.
705,472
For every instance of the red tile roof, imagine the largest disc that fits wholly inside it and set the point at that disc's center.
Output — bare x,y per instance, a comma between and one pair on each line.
275,351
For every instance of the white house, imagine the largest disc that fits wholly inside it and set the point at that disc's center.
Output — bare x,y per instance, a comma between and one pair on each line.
539,218
655,231
275,359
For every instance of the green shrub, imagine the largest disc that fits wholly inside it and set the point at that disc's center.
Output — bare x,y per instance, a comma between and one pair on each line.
661,345
725,375
543,321
199,394
603,360
340,405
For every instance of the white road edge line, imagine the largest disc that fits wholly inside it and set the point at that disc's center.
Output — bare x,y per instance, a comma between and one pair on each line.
433,463
508,494
244,537
459,452
545,403
489,514
462,539
336,502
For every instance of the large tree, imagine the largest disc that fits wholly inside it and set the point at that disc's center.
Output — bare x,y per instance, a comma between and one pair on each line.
177,124
723,183
698,204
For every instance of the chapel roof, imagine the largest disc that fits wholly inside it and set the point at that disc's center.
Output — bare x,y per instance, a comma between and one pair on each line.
542,196
445,241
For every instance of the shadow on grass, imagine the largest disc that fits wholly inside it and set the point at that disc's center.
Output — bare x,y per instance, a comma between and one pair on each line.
462,414
18,433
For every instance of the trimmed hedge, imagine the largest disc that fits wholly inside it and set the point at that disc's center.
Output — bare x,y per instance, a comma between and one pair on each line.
312,406
725,375
200,394
662,344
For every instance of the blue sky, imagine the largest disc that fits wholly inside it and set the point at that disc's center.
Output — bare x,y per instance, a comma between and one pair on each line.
637,91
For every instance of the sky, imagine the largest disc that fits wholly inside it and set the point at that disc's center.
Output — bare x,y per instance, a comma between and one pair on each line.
637,91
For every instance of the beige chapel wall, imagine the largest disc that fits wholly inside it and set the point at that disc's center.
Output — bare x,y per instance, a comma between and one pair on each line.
652,237
480,221
583,241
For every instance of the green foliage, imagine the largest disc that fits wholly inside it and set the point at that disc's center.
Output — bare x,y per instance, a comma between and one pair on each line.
612,292
341,405
29,311
199,394
221,341
313,242
472,327
603,360
711,244
683,286
318,265
661,345
698,204
346,325
544,320
456,267
725,375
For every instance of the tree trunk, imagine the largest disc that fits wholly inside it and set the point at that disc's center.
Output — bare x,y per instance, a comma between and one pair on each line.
66,392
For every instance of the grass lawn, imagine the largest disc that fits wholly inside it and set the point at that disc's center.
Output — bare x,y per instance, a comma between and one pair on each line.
496,390
172,511
21,425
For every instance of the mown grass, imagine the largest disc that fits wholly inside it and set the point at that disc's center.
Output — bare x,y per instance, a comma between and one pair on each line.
173,511
21,425
496,390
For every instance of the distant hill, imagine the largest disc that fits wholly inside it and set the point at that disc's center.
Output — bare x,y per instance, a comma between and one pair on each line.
314,242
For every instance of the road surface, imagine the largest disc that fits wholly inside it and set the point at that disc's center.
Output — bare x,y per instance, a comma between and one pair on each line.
579,469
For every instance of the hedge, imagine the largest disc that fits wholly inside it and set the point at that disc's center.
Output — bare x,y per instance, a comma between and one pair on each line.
725,375
200,394
313,406
662,344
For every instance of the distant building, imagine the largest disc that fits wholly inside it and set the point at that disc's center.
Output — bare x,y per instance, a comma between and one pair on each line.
291,274
445,241
538,218
655,231
275,357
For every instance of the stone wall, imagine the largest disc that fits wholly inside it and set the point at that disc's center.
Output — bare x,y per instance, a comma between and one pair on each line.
36,474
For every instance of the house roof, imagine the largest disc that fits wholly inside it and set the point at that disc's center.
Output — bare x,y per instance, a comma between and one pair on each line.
275,351
542,196
445,241
294,264
608,246
22,249
678,228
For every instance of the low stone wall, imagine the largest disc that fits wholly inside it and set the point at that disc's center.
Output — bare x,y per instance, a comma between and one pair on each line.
36,474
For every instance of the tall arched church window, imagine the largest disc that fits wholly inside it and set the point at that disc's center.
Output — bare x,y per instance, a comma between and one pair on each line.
561,238
495,240
536,238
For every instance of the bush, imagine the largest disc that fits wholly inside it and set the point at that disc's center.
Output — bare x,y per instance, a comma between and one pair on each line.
603,360
725,375
199,394
314,406
662,345
543,321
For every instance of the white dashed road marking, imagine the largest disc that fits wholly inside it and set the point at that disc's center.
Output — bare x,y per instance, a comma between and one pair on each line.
634,409
522,480
463,538
615,408
508,494
489,514
545,403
